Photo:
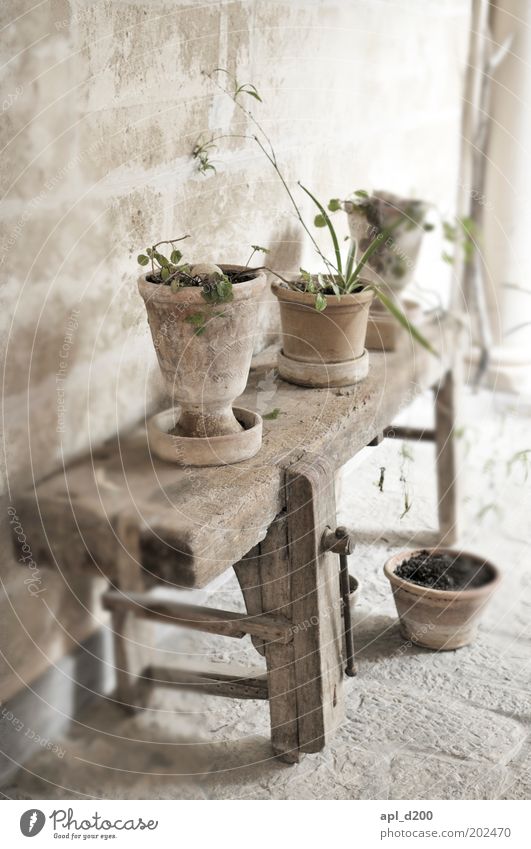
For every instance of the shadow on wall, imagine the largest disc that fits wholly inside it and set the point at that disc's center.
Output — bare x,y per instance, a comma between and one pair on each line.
284,255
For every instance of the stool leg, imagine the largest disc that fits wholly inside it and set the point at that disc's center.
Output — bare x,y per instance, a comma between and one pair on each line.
448,465
316,611
275,581
130,634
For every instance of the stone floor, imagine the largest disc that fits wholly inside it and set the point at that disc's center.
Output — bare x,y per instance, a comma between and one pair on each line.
452,725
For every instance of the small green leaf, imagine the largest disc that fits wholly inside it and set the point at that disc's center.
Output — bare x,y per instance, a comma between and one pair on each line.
334,204
428,227
161,259
198,321
175,286
274,414
319,221
335,287
449,231
259,248
351,258
331,230
361,193
142,259
164,274
176,256
218,290
320,302
248,88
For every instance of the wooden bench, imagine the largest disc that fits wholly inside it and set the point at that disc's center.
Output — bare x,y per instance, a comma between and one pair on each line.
141,522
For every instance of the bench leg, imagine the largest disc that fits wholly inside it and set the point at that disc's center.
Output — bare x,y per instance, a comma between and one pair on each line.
130,634
264,576
248,575
276,598
448,464
316,612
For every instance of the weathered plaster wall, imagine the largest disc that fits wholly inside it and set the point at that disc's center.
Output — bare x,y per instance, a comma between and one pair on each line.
102,104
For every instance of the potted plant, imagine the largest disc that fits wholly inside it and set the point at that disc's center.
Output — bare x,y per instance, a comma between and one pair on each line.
202,318
393,264
440,595
323,315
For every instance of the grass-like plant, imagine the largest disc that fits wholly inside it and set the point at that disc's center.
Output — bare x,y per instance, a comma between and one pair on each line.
344,268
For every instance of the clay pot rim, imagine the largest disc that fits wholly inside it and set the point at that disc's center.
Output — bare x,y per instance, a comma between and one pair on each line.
354,299
193,294
448,595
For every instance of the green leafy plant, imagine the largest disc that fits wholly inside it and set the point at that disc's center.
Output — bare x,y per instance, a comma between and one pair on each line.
172,271
343,274
463,233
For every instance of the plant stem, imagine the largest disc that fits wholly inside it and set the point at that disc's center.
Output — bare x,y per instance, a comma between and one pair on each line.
271,156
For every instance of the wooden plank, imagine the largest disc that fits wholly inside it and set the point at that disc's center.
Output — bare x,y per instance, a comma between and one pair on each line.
276,598
315,603
449,467
212,683
228,623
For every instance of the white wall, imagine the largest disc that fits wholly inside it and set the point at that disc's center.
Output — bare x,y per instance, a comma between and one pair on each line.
105,102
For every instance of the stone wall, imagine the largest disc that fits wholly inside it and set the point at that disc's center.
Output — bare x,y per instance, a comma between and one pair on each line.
103,102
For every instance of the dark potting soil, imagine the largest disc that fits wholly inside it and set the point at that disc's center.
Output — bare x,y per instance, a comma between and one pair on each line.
234,277
444,571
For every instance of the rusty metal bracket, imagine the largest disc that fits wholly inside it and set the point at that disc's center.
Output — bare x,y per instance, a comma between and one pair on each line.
341,541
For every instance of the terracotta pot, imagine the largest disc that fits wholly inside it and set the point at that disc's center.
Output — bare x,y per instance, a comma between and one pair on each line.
384,331
354,592
204,372
393,264
322,349
440,619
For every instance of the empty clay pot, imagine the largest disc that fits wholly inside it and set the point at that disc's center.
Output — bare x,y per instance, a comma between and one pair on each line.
440,619
204,371
328,345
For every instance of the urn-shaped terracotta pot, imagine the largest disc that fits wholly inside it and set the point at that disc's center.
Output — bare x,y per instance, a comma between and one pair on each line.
442,619
204,350
323,348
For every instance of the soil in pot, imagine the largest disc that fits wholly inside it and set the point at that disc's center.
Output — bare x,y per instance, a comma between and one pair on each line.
199,281
443,571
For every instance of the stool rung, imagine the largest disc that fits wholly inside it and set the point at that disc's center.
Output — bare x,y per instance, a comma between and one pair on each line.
212,683
228,623
412,433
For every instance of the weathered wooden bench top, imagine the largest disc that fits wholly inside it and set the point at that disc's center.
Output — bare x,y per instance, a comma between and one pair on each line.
195,523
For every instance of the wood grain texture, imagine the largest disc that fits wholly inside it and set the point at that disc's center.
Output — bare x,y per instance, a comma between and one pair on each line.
248,575
211,620
195,523
315,603
214,682
276,588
